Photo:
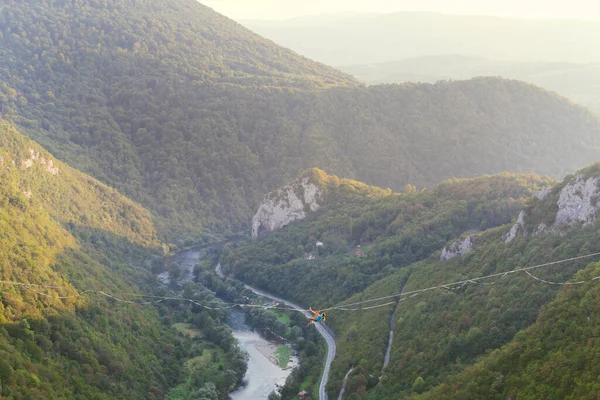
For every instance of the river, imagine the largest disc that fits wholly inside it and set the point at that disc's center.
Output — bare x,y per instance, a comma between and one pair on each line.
324,332
262,376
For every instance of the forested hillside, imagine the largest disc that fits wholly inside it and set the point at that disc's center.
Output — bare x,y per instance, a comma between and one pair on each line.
441,337
65,239
397,230
578,82
196,117
555,358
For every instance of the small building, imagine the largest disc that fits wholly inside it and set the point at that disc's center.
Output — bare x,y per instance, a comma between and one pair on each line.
319,244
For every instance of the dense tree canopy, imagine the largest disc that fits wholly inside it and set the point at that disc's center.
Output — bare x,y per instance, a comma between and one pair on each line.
392,231
196,118
445,332
556,358
71,234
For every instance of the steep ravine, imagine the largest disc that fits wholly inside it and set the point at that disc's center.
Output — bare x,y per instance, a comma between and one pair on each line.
344,383
386,360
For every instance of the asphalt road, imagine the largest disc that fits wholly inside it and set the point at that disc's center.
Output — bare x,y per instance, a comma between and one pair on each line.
331,347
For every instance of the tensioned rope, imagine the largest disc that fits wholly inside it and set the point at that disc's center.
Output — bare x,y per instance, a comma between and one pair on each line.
413,293
225,305
340,307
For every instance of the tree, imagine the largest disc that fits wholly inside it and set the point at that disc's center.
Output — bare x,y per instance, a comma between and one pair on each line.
208,392
418,385
410,189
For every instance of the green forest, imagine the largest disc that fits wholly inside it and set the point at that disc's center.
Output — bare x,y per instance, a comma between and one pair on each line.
394,231
196,118
75,237
444,340
132,129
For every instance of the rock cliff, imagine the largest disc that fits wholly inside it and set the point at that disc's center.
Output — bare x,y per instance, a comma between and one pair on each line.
576,203
458,248
286,204
518,226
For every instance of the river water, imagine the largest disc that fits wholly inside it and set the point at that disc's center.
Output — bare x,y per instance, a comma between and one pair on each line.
262,376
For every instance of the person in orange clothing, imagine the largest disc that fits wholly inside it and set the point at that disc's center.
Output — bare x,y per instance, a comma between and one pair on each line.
318,316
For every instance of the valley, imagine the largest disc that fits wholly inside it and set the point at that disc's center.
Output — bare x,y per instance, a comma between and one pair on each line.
177,190
198,138
329,339
262,376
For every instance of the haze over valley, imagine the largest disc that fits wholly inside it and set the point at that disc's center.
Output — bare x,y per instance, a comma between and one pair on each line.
557,54
178,188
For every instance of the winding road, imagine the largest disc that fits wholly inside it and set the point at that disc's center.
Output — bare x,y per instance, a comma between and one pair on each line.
331,347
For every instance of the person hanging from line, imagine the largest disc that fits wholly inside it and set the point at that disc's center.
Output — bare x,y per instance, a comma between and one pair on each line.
318,316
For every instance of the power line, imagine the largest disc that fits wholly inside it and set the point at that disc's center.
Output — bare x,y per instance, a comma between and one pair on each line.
31,286
340,307
473,280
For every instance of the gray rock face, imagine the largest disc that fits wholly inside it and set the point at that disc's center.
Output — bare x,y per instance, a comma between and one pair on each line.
458,248
286,204
542,194
578,202
520,224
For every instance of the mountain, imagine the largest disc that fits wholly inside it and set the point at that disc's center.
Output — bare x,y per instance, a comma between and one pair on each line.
576,81
350,39
70,196
489,338
40,195
387,221
195,117
75,255
554,357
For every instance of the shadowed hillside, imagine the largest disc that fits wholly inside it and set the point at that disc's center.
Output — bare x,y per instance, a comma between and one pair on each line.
66,240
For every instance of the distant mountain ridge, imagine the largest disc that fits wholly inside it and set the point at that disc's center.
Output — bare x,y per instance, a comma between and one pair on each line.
351,39
579,82
196,118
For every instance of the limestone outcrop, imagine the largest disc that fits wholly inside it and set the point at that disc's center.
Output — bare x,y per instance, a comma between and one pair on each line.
47,164
286,204
518,226
577,203
458,248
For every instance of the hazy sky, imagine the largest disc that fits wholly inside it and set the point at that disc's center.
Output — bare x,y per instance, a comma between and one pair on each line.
277,9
